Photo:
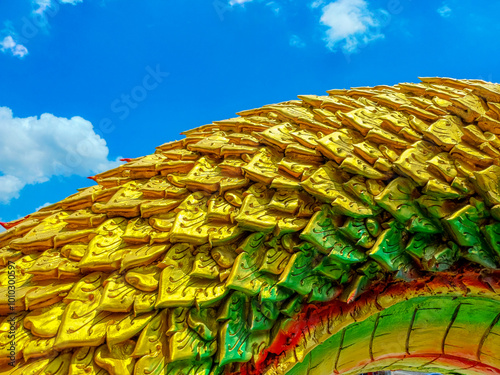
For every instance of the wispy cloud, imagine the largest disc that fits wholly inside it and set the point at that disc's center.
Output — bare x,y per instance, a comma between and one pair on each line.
14,42
296,41
43,5
317,3
350,23
444,11
9,45
35,149
274,7
43,206
240,2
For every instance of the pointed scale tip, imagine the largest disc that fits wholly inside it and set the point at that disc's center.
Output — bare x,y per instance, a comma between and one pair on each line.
11,224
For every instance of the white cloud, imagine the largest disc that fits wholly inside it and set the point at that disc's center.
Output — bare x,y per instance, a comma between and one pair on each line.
296,41
350,24
9,188
38,22
43,5
444,11
42,206
240,2
8,44
317,3
274,7
32,150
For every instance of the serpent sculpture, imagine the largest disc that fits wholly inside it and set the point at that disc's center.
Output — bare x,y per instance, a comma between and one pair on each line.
348,233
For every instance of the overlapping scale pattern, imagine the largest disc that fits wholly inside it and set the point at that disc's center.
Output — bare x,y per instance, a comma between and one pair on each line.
192,260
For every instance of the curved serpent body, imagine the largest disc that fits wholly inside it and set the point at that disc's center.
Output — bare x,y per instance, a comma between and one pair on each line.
347,233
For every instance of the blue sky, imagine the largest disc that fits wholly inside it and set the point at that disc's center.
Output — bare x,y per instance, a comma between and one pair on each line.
84,83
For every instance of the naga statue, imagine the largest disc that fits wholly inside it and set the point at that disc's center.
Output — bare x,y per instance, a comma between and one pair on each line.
341,234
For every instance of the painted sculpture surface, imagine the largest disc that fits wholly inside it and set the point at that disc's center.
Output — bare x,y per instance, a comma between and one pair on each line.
347,233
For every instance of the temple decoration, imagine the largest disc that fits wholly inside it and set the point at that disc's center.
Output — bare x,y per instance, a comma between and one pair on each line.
347,233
